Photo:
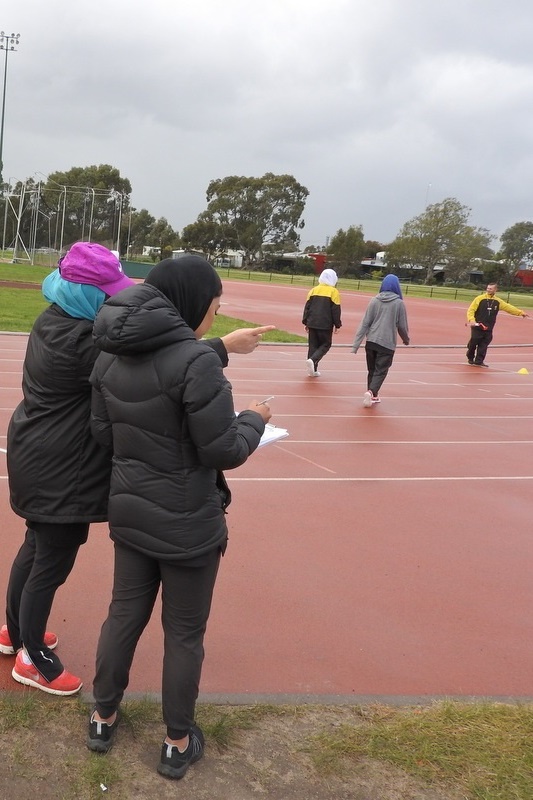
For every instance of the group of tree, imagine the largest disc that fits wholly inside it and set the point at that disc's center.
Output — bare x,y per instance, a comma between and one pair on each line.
244,214
84,203
249,215
259,217
347,249
440,239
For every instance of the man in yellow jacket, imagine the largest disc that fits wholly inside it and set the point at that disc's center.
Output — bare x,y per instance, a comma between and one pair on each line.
481,317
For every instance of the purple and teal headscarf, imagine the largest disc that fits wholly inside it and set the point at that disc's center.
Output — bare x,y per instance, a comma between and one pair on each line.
79,300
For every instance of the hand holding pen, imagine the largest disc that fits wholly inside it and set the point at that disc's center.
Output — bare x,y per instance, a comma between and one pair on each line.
262,407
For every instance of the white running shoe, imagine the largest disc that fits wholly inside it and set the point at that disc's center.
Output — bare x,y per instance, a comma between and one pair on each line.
316,374
367,399
310,368
376,400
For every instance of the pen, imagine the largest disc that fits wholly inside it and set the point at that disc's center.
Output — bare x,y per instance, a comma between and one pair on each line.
262,403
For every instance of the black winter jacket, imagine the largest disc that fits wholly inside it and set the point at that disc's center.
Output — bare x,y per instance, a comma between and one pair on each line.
161,401
57,472
322,309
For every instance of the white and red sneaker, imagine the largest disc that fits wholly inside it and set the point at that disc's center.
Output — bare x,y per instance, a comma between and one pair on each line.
50,641
65,684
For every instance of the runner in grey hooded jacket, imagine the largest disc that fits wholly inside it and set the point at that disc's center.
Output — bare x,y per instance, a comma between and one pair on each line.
384,319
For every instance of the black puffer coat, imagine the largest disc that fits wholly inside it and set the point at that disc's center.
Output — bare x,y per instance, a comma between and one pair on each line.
161,398
57,472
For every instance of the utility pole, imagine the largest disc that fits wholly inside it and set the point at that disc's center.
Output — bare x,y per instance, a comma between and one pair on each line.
7,43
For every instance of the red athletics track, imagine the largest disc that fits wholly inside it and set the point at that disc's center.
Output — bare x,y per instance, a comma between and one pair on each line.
379,553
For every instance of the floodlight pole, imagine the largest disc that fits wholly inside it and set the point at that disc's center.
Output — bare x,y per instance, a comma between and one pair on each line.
7,43
117,198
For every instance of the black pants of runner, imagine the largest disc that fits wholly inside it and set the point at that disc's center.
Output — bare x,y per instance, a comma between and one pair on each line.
41,566
476,349
319,343
378,363
186,597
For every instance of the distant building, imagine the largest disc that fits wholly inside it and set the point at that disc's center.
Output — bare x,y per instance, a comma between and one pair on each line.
524,276
231,258
289,259
378,262
149,250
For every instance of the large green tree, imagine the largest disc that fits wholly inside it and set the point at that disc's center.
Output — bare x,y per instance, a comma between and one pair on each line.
517,247
252,212
347,248
162,234
212,238
137,234
441,236
84,203
87,203
372,248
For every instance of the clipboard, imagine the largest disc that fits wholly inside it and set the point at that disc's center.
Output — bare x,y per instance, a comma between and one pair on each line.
272,434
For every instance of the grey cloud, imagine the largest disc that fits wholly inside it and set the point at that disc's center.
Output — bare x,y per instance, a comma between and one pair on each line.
365,104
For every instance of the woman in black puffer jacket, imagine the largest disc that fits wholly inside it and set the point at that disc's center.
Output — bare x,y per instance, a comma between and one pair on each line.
161,401
58,474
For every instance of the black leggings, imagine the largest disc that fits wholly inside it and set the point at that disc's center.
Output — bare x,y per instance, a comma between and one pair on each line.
41,566
186,602
378,363
319,343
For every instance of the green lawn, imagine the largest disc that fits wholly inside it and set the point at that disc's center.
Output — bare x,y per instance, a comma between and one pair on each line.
18,307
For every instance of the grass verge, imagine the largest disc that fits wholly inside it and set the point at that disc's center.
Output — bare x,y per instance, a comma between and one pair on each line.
445,751
20,307
485,749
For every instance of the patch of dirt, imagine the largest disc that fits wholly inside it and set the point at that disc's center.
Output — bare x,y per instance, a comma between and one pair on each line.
18,285
270,760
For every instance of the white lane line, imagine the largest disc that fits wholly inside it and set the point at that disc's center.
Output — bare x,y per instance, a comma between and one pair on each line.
495,390
486,442
387,480
370,415
307,460
378,442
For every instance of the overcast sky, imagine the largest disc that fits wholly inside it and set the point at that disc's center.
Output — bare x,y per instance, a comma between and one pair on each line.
377,107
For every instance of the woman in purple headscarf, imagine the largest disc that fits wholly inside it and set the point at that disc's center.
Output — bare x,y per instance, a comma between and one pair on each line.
384,318
58,474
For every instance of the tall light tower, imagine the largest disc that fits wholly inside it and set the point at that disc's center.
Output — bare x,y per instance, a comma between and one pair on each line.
7,43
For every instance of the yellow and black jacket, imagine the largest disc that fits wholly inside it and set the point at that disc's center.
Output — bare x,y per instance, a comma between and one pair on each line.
323,308
484,309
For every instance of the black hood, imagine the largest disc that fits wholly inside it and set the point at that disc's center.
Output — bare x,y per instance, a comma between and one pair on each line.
191,284
138,320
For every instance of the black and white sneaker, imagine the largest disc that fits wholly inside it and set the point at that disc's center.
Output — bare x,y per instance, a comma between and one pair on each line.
174,764
101,735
